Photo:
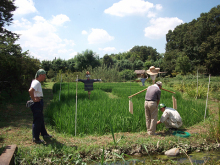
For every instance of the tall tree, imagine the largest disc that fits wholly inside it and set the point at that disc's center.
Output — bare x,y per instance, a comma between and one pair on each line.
198,40
85,59
144,53
107,61
6,9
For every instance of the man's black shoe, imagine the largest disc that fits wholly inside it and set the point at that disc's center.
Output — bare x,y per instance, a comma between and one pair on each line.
38,141
47,136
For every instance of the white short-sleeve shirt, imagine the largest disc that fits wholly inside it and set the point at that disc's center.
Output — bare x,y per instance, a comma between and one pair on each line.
37,87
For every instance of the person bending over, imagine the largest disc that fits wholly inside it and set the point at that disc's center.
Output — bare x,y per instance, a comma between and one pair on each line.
170,117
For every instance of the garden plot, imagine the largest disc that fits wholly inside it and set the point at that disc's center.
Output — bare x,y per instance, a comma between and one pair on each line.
97,114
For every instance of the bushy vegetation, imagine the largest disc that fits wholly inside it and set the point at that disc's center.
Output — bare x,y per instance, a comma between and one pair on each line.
95,115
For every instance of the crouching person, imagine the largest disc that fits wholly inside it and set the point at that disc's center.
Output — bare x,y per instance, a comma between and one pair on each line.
170,117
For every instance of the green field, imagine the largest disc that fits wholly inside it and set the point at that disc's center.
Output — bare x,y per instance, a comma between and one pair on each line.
109,106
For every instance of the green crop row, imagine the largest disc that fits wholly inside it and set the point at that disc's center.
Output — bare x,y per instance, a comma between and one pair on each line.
95,115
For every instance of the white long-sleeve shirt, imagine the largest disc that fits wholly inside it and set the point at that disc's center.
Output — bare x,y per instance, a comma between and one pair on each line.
171,118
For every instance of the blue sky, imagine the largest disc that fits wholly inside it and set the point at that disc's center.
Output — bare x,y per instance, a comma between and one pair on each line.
63,28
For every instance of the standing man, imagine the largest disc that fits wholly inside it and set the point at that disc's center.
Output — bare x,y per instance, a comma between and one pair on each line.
36,94
170,117
152,99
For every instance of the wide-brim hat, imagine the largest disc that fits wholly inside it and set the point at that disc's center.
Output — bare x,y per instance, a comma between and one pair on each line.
153,71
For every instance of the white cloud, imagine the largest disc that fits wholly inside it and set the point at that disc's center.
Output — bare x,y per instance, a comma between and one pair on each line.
129,7
159,27
23,24
42,38
158,6
59,19
99,36
72,55
108,49
84,32
24,7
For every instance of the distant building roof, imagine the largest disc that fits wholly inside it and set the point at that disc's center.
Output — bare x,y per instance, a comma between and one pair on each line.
139,71
144,71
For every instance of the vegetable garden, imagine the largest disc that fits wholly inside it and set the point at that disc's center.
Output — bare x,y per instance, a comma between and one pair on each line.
107,109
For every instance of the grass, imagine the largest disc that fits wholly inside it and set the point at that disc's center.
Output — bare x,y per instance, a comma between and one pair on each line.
64,148
97,114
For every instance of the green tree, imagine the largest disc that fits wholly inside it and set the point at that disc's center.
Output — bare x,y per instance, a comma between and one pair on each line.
127,74
71,65
46,65
183,64
147,64
85,59
51,73
123,64
107,61
144,53
6,9
17,69
59,64
138,65
198,39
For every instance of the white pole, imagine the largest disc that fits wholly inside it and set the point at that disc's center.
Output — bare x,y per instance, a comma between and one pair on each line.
197,85
76,105
207,98
60,87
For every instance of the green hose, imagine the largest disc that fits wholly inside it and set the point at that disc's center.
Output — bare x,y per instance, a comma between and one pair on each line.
181,134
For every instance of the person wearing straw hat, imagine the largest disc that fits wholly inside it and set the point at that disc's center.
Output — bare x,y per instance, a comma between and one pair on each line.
88,83
152,99
36,94
170,117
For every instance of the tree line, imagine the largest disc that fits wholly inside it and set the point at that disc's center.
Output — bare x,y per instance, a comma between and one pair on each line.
16,67
190,46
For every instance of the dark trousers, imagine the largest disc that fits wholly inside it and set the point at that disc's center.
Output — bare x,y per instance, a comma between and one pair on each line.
38,126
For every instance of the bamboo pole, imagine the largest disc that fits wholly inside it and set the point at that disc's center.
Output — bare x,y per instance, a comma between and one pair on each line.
76,106
137,93
168,90
197,85
146,89
207,99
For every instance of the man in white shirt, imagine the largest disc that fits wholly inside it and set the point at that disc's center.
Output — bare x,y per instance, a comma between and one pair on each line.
36,94
170,117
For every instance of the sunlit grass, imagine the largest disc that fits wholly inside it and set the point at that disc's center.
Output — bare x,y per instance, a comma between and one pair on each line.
95,115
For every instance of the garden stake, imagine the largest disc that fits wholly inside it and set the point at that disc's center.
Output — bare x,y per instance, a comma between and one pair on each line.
130,106
174,102
207,98
130,101
76,106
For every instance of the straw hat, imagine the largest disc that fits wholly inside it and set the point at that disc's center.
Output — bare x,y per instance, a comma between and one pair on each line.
153,71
